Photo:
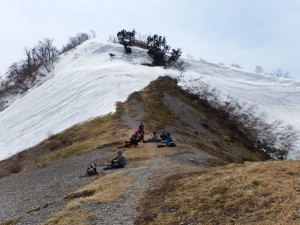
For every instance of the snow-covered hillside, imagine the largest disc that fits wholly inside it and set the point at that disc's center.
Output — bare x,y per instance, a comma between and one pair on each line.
87,82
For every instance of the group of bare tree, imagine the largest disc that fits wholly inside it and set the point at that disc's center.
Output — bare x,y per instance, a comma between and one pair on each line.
277,73
36,62
276,139
21,73
259,69
78,39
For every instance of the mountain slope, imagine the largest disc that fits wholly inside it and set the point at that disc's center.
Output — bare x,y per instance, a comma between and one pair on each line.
158,186
50,172
87,82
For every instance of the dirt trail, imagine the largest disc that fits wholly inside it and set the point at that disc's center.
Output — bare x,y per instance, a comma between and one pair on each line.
133,114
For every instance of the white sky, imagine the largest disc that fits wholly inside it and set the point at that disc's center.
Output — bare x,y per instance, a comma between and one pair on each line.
248,32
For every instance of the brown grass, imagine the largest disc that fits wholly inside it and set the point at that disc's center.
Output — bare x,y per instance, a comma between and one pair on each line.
142,152
10,168
85,137
74,217
252,193
96,133
103,190
11,222
158,116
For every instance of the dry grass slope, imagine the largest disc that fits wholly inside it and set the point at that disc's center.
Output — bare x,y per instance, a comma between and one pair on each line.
103,190
207,129
251,193
11,222
96,133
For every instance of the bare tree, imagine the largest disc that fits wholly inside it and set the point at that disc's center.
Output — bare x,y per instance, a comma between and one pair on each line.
259,69
75,41
280,73
181,66
275,139
46,53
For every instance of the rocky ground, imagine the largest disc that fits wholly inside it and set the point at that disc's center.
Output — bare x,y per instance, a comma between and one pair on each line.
35,195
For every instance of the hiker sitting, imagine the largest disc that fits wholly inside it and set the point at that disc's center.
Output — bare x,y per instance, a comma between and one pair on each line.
141,131
168,142
133,142
117,162
92,170
154,138
138,136
163,136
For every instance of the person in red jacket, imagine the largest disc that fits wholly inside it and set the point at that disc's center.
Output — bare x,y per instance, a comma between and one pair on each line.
137,135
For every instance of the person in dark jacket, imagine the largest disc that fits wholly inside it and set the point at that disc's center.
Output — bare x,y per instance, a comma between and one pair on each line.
117,162
168,142
163,136
141,131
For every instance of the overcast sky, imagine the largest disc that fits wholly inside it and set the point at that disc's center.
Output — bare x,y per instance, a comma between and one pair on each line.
246,32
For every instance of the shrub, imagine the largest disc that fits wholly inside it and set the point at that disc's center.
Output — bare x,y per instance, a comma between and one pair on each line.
10,167
275,139
126,38
159,51
181,66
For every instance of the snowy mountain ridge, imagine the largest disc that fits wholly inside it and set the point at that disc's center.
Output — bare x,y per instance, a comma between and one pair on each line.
87,82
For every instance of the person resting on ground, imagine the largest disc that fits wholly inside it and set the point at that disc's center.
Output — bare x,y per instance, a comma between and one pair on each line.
92,170
138,136
168,142
154,138
163,136
117,162
133,142
141,131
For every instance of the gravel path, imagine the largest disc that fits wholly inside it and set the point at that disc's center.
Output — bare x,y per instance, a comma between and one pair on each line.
35,195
